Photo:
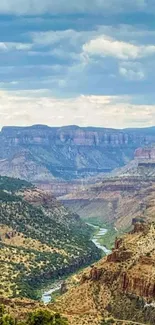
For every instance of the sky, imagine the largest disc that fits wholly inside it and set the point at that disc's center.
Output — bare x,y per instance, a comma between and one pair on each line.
85,62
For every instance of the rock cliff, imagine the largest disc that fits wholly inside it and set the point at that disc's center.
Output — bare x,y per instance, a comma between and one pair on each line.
122,285
114,201
41,153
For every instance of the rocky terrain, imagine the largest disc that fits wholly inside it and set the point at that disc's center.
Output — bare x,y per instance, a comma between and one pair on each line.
116,198
40,240
142,166
41,154
119,289
114,201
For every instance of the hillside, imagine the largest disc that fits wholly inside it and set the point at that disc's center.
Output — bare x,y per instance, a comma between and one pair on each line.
119,287
142,166
114,201
27,312
119,196
41,154
40,240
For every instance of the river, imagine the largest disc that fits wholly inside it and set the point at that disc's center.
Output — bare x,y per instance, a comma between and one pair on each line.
46,297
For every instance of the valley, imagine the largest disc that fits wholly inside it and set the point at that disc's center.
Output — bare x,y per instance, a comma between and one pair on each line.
40,240
115,199
120,287
90,249
56,286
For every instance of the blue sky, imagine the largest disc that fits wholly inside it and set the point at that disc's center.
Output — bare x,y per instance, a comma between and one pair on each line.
85,62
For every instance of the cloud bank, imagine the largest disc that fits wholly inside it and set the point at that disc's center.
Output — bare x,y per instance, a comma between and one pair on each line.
107,111
90,56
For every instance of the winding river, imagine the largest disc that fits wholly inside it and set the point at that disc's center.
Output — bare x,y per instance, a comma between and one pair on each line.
46,297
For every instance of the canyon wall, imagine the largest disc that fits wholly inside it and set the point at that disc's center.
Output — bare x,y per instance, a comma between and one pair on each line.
41,153
74,135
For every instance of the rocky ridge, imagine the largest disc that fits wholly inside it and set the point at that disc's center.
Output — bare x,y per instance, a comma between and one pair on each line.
41,153
120,287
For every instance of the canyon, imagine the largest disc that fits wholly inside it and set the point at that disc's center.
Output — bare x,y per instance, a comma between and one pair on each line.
119,196
45,155
40,240
114,201
119,287
105,176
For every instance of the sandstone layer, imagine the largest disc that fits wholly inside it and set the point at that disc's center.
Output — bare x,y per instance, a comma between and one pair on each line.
41,153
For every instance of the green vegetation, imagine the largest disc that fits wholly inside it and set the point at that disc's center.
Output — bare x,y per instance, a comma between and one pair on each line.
45,317
38,317
109,238
109,321
39,241
13,184
97,221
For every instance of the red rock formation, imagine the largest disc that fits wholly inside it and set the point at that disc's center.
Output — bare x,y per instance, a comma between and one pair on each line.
118,242
137,285
118,256
95,273
140,227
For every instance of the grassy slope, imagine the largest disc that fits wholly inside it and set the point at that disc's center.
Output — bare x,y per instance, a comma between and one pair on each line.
45,242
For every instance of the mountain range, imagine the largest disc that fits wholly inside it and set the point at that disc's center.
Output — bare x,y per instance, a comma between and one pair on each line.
42,154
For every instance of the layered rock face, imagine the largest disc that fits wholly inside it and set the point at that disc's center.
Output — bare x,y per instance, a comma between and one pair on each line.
43,135
114,200
122,285
119,196
74,135
68,152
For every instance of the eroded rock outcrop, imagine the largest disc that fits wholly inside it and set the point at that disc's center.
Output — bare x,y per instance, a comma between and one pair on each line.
121,285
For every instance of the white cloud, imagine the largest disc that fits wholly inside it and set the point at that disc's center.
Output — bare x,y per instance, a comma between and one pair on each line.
52,37
108,46
132,71
59,40
35,107
131,74
7,46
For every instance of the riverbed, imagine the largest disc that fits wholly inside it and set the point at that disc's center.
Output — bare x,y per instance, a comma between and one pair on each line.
100,232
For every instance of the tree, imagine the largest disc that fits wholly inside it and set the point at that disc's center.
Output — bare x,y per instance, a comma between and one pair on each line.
45,317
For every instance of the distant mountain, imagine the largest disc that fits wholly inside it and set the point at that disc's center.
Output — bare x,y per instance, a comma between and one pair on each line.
41,154
40,240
